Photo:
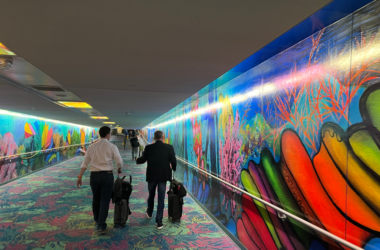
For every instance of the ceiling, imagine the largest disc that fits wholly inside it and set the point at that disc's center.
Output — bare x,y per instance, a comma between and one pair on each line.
142,57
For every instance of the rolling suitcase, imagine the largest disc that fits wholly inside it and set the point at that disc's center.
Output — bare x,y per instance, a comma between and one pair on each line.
175,200
175,204
121,192
121,213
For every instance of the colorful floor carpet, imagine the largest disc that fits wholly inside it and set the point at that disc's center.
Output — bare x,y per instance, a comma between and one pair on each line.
45,210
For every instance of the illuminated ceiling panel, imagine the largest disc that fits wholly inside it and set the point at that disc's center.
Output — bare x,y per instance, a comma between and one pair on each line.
99,117
108,122
77,105
5,51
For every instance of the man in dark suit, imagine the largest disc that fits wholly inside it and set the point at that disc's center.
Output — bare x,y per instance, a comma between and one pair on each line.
160,156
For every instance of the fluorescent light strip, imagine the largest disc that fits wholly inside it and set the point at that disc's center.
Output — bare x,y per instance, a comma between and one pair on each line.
99,117
6,112
342,62
257,91
76,105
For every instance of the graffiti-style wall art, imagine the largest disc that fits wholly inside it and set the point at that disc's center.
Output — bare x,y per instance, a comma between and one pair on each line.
301,131
21,133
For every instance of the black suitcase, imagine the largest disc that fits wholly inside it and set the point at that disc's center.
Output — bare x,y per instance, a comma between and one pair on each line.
175,200
174,207
121,193
121,213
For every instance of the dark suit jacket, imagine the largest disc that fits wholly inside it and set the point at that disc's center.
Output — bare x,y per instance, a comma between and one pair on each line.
159,155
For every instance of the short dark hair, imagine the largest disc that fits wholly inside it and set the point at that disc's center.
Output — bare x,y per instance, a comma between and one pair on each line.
158,135
104,131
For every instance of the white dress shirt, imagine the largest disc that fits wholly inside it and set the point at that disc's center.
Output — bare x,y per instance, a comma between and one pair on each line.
101,155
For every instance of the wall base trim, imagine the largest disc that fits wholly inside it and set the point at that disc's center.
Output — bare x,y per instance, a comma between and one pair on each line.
220,225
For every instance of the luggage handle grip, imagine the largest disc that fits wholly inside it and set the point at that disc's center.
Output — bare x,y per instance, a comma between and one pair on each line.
130,178
118,176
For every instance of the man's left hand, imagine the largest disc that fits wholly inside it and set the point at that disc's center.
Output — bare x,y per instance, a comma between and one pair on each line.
79,182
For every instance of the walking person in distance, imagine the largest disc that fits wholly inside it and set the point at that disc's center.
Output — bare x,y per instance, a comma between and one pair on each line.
159,156
100,157
135,146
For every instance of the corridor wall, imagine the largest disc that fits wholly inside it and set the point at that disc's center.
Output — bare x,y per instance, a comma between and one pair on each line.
301,130
20,133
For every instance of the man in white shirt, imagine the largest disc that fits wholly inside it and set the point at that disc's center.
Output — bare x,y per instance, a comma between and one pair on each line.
100,157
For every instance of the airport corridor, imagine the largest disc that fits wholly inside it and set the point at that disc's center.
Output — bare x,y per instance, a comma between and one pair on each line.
45,210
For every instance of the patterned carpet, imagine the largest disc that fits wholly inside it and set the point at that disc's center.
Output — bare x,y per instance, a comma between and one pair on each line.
46,211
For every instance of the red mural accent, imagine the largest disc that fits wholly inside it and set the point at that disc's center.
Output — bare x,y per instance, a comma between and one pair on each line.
302,169
255,224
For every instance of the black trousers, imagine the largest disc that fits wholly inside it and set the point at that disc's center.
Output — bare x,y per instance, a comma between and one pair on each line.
101,185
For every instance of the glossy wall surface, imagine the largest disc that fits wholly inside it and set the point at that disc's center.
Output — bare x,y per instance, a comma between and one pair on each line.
21,133
302,131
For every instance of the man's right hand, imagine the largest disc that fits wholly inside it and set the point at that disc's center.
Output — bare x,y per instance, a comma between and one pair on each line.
119,170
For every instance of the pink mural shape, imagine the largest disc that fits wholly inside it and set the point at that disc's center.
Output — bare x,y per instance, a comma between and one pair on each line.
230,161
8,147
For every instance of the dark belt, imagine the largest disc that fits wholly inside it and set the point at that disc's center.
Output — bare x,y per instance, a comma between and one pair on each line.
102,172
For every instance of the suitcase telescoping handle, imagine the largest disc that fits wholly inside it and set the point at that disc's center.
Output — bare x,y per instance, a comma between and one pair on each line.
130,178
171,181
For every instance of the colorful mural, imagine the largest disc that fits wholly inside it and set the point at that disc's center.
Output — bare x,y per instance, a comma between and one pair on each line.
301,131
23,133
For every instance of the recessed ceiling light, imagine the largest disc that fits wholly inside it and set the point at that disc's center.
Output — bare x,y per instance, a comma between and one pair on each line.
78,105
99,117
108,122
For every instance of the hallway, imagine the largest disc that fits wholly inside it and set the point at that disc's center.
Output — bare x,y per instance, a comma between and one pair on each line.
45,210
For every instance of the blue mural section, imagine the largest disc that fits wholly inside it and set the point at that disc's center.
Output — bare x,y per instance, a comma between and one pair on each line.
300,130
20,133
